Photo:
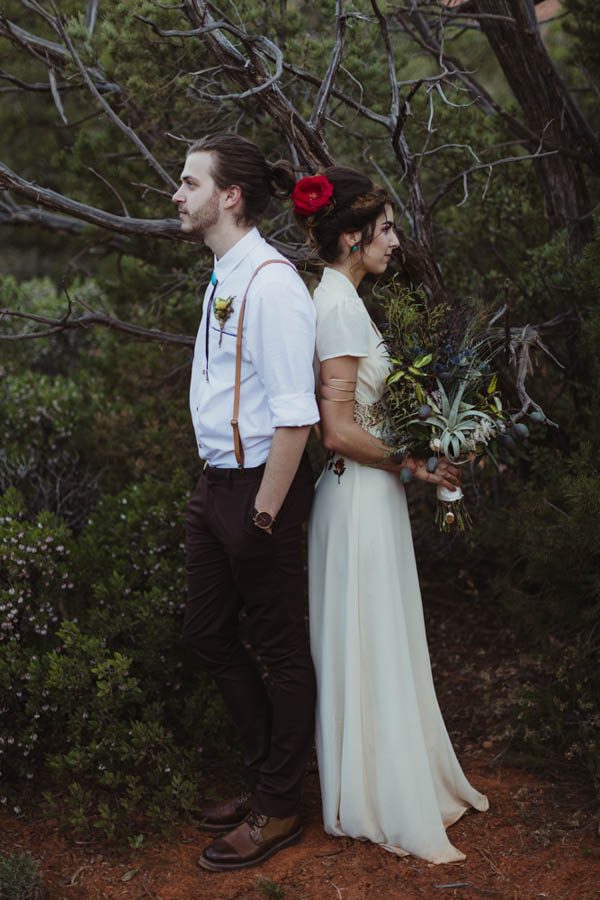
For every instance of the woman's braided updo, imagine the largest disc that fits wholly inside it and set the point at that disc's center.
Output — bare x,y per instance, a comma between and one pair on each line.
355,205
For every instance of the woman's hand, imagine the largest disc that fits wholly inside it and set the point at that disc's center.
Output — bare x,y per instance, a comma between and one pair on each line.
446,474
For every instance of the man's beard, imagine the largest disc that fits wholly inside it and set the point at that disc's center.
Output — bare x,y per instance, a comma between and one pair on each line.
203,219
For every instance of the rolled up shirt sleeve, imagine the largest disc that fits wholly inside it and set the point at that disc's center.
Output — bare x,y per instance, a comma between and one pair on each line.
281,343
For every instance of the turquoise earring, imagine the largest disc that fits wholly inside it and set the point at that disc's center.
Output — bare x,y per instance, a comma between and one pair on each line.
354,248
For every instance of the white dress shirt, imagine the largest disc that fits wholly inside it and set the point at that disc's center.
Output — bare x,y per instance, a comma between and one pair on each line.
278,343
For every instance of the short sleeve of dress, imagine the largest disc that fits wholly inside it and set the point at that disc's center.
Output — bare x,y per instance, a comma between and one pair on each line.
342,329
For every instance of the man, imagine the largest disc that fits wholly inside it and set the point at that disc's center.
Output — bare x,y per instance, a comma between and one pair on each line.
244,521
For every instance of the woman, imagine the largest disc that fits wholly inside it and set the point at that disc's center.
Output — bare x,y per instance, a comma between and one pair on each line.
387,768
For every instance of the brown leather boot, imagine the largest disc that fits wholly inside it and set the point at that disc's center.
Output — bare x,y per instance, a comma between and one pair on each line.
223,817
255,840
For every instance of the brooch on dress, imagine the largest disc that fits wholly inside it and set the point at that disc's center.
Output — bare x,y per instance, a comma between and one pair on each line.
222,309
338,465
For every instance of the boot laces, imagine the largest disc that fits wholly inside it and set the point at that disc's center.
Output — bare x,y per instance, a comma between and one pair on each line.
256,819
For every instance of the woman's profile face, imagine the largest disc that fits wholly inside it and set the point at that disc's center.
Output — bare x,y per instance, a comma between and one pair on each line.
376,255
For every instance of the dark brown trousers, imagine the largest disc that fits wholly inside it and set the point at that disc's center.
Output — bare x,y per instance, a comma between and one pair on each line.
231,563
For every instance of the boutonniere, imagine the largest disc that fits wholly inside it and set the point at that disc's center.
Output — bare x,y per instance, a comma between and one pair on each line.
222,309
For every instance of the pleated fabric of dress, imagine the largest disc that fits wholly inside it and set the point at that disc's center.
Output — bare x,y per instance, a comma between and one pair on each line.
387,768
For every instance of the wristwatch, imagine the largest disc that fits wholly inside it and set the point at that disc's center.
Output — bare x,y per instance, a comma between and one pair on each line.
263,520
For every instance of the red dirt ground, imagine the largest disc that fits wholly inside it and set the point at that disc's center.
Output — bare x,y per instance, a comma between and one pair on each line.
530,844
540,838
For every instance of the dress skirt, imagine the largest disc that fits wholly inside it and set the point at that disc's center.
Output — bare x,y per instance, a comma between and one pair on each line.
387,768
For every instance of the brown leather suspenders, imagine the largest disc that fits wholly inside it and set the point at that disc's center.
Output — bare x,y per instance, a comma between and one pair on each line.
237,441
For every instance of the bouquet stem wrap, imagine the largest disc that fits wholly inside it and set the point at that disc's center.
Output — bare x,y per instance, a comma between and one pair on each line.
451,511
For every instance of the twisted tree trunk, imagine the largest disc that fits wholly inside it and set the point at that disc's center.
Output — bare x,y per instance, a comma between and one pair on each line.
549,111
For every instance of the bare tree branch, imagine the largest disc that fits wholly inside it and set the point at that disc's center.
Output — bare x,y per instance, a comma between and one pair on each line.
250,72
40,11
73,216
16,215
324,93
56,95
91,15
423,35
37,86
288,67
270,48
395,94
275,52
50,53
418,29
86,320
521,342
41,48
422,245
111,188
463,176
127,131
164,228
465,11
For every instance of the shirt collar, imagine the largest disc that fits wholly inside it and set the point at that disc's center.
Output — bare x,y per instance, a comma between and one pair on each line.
334,279
234,256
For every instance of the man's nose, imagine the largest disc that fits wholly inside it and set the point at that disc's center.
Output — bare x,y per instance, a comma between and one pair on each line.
176,198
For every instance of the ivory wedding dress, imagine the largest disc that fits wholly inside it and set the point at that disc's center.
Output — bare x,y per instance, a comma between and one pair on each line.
387,768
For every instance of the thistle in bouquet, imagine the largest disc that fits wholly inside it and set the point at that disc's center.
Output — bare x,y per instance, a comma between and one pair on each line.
442,396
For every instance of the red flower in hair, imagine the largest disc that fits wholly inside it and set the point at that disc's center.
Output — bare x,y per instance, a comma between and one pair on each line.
311,194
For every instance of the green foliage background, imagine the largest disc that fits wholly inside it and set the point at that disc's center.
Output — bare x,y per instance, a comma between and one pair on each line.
101,715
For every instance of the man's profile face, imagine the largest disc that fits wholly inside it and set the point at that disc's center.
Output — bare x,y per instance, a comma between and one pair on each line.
198,197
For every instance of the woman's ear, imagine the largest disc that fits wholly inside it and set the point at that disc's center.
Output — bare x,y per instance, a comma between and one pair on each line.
350,240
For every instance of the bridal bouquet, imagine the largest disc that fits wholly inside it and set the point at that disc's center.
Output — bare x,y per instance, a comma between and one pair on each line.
442,395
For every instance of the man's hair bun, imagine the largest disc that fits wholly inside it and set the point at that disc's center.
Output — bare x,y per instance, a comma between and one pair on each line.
282,178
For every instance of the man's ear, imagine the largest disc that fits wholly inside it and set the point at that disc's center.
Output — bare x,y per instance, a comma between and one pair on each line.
233,196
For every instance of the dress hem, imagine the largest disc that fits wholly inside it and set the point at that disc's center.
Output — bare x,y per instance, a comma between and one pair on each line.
456,856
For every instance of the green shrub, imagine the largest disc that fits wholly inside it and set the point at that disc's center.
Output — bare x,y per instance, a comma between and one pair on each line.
99,708
36,575
558,716
19,877
46,444
545,549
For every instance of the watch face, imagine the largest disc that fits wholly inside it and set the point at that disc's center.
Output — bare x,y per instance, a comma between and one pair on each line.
263,519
